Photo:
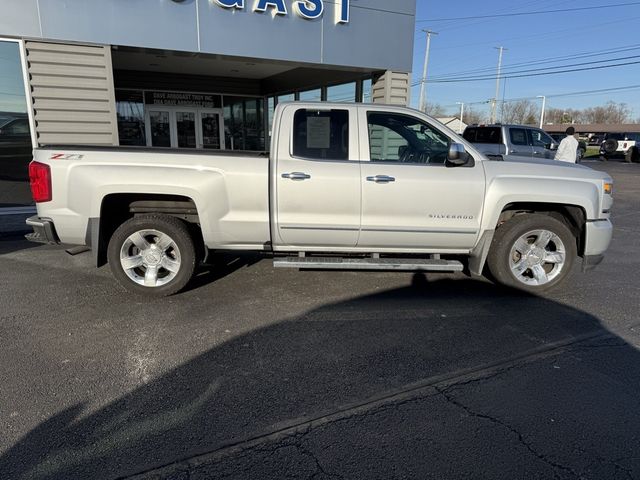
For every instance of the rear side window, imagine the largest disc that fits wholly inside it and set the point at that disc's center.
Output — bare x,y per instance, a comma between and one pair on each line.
321,134
482,135
518,136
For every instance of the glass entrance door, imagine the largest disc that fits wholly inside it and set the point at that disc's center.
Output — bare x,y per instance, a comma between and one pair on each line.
159,128
211,129
186,129
181,127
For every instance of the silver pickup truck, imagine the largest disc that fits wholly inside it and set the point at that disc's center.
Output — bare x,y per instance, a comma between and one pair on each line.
511,142
346,186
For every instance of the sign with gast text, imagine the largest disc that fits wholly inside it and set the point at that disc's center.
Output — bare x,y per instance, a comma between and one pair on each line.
307,9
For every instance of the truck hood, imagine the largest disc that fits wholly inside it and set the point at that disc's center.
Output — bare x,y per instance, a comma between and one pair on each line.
543,168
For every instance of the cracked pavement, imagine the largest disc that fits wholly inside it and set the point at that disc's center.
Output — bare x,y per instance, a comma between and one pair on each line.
262,374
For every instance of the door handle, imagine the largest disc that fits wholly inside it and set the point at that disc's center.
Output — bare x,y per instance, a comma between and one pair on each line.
535,152
296,176
381,179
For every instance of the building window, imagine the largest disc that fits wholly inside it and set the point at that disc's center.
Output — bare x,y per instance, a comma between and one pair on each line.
311,96
286,98
130,111
243,123
367,88
15,134
342,93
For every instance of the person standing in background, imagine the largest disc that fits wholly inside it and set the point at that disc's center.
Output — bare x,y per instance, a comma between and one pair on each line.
568,148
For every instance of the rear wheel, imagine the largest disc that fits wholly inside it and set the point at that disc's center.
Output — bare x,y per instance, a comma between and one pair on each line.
152,255
632,155
532,252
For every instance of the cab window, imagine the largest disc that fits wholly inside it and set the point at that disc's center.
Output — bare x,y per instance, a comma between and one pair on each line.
405,139
518,136
321,134
540,139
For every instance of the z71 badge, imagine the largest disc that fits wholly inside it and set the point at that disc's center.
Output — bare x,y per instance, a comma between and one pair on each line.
66,156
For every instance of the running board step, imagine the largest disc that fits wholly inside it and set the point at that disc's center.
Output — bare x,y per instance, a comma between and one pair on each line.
396,264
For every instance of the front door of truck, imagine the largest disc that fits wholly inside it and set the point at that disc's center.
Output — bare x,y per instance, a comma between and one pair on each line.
410,198
316,178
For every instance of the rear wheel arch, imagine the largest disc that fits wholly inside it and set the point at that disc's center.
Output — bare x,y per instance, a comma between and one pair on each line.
117,208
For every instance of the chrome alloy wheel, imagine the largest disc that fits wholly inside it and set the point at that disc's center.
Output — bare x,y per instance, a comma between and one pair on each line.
150,258
537,257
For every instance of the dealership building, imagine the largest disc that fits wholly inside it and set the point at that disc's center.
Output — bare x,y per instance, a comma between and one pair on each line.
187,74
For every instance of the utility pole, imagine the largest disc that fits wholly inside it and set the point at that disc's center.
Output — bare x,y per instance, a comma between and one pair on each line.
494,103
544,105
423,81
461,116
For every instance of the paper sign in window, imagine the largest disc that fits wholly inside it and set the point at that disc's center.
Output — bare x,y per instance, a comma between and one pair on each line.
318,132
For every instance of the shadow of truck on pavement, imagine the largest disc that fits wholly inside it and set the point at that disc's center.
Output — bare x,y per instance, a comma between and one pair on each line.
413,342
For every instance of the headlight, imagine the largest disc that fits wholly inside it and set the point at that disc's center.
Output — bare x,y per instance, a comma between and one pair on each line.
608,188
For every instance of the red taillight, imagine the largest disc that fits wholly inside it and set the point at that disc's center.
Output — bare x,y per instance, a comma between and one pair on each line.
40,179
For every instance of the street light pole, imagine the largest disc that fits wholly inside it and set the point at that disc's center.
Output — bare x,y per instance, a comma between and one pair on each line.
495,99
461,116
423,81
544,105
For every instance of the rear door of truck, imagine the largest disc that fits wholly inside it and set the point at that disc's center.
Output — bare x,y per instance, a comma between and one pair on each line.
315,177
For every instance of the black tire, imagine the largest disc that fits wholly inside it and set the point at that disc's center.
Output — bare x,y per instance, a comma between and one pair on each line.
180,255
610,146
504,252
580,155
632,155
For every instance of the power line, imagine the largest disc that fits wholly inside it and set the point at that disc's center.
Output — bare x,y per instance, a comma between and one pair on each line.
600,67
621,49
540,12
534,70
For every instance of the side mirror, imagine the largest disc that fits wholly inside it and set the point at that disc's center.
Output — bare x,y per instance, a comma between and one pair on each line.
457,156
551,146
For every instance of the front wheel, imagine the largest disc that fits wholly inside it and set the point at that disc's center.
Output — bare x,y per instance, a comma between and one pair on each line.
152,255
532,252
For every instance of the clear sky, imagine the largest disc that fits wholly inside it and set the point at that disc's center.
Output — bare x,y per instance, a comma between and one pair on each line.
463,45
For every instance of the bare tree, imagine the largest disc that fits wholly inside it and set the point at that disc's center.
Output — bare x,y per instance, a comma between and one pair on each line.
611,113
436,110
472,116
524,112
564,116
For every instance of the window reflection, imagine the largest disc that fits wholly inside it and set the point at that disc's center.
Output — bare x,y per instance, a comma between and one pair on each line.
342,93
311,96
15,135
130,111
243,123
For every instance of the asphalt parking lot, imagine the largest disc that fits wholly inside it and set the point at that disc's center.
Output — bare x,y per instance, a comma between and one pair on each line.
256,373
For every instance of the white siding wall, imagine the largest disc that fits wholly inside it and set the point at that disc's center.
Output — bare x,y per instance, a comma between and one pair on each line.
392,88
72,92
